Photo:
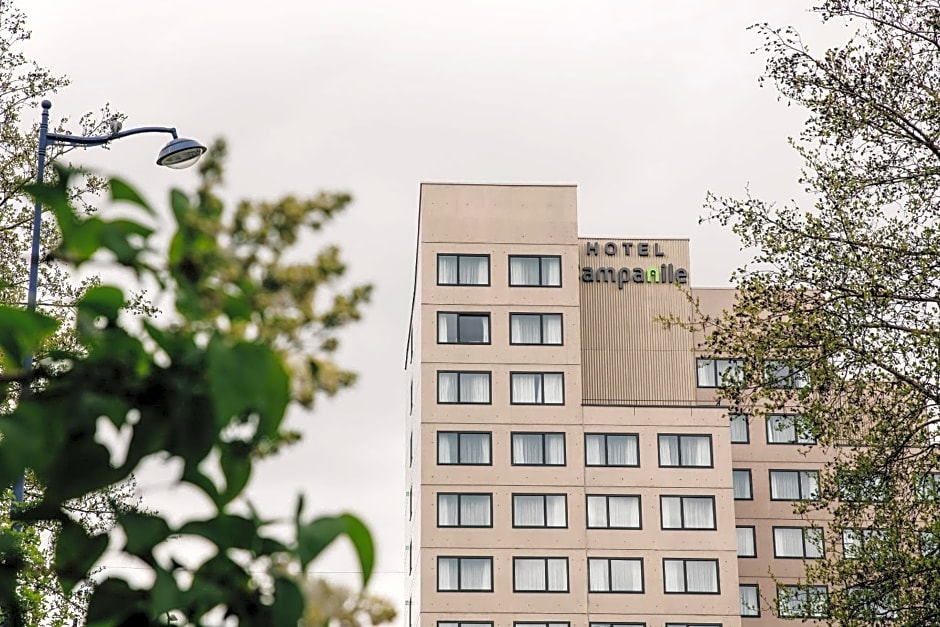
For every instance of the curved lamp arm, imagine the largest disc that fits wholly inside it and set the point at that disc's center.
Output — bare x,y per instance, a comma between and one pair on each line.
98,140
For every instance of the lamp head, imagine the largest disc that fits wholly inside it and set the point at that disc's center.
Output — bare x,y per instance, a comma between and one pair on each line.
180,153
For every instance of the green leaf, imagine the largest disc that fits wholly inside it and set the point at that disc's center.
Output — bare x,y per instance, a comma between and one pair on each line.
362,540
165,594
76,552
225,531
102,300
235,460
314,537
112,602
21,334
181,206
122,191
288,602
143,532
244,378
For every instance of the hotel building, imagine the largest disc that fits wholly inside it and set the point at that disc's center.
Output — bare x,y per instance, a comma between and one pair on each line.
567,461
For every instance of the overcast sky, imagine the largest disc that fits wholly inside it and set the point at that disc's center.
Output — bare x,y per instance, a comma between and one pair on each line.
644,105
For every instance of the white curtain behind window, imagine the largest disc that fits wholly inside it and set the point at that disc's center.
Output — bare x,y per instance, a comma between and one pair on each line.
674,575
447,448
527,448
529,574
625,575
446,328
851,542
475,510
671,512
475,574
598,575
524,329
474,387
528,510
474,271
594,449
702,576
784,485
555,449
669,450
551,271
447,573
554,388
706,373
447,387
696,450
557,574
739,432
745,541
526,387
780,429
447,269
597,511
475,448
813,540
699,513
555,514
788,542
742,484
524,271
624,511
749,601
622,450
551,329
447,510
809,483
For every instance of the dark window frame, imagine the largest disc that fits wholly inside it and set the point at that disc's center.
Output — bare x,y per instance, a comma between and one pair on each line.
459,524
560,315
747,428
616,624
718,379
801,588
607,497
750,483
610,578
542,376
471,314
542,623
512,434
770,474
489,376
463,623
460,558
756,587
796,442
685,574
545,559
605,435
681,497
711,448
544,509
489,270
489,438
804,556
753,529
540,258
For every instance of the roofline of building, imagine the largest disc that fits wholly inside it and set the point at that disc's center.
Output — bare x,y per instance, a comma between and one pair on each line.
483,184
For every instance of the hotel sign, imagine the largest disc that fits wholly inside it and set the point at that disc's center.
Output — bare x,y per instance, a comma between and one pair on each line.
657,269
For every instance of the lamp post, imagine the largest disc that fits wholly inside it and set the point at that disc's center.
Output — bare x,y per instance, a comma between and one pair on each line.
179,153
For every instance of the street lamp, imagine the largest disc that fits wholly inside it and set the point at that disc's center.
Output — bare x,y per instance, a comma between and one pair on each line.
179,153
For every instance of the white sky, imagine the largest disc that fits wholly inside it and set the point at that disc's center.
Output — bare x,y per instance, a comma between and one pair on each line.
644,105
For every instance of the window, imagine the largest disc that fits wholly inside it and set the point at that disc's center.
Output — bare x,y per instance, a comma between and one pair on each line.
747,547
540,574
463,269
534,271
742,485
464,574
612,449
740,429
466,448
687,512
535,329
463,387
861,487
793,485
537,388
463,328
464,623
617,625
871,604
539,510
688,451
749,595
690,576
802,601
693,624
713,373
928,487
855,540
613,512
464,510
531,624
780,375
615,574
410,556
785,429
538,449
802,542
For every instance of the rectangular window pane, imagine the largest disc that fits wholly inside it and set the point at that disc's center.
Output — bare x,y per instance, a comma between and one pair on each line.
540,574
611,449
671,512
536,388
464,510
705,373
551,329
473,329
463,270
447,328
447,387
742,485
793,485
463,448
476,573
474,387
525,329
784,429
746,544
536,449
687,512
524,271
555,449
615,575
556,510
750,600
692,451
739,429
613,512
551,271
447,269
690,576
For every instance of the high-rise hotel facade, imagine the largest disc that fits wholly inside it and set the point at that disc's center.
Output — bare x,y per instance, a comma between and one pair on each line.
568,465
